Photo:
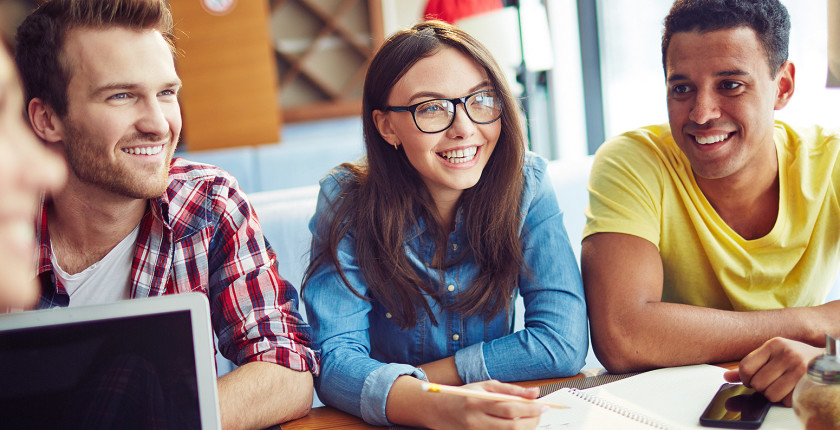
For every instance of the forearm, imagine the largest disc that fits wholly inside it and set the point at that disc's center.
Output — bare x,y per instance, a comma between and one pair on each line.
442,371
633,330
657,334
261,394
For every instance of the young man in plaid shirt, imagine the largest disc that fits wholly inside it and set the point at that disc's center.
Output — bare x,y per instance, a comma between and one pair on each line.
102,90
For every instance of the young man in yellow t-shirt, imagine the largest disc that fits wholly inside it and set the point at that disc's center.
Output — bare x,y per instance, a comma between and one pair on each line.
712,234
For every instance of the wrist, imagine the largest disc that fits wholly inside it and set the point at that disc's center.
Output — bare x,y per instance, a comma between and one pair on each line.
408,405
819,320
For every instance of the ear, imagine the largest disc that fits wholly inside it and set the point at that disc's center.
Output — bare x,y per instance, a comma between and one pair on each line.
785,85
386,127
45,123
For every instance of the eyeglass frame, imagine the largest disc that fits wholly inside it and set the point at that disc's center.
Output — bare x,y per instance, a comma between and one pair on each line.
455,102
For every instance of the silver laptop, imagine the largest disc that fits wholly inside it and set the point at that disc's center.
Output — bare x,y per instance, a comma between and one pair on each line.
142,363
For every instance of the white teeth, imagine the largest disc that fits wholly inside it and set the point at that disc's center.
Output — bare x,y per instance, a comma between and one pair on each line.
145,150
459,155
710,139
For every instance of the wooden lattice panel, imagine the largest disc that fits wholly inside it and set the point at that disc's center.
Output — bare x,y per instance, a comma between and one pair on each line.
323,48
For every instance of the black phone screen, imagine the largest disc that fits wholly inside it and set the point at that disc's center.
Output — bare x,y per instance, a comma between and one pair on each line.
735,406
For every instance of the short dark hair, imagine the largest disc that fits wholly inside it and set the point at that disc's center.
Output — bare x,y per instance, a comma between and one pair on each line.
41,38
768,18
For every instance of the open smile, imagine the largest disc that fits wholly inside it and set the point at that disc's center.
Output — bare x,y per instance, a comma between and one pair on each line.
708,140
144,150
458,156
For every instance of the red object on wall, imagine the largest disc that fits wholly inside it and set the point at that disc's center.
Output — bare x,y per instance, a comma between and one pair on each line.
453,10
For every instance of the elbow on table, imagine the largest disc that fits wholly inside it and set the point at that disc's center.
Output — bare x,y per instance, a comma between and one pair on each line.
300,410
567,360
620,352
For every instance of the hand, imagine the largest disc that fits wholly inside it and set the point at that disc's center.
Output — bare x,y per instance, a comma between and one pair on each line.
468,413
774,368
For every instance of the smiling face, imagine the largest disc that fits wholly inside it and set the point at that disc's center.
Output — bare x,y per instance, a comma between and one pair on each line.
721,101
123,119
450,161
26,169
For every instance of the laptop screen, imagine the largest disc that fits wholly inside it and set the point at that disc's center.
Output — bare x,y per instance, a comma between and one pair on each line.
136,371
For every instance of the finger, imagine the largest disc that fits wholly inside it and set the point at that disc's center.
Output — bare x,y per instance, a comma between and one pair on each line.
754,361
788,400
526,423
732,376
781,387
515,390
513,410
477,419
783,369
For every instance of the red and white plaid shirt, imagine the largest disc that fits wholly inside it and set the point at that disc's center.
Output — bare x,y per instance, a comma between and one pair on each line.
203,235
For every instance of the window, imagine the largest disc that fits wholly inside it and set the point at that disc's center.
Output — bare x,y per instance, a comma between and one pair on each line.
631,67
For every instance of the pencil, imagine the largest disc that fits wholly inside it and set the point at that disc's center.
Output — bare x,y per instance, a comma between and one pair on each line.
464,392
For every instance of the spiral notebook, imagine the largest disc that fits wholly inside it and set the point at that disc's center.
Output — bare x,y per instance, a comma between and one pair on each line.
671,398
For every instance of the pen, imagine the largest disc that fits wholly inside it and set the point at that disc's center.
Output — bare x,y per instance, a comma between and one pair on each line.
464,392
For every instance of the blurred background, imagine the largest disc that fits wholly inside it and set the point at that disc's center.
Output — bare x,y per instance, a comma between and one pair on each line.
272,89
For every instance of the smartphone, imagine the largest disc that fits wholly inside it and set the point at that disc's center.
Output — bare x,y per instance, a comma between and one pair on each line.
735,406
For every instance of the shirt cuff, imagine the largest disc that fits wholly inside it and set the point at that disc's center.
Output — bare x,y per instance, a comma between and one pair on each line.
470,363
376,388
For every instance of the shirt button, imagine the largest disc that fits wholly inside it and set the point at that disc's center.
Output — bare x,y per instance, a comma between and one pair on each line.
388,315
454,246
451,288
455,336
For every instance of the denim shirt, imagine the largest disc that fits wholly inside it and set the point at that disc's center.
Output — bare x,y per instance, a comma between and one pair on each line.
363,351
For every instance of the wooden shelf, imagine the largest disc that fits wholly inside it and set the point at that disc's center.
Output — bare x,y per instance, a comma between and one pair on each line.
323,48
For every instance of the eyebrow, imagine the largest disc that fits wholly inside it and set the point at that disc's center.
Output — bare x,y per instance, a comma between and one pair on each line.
433,95
116,86
722,74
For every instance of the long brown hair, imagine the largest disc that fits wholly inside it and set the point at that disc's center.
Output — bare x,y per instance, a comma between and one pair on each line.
383,199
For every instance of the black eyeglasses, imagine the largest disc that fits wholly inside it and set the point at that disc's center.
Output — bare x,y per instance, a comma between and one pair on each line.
436,115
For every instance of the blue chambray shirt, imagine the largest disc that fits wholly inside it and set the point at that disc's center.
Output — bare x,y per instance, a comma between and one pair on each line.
363,351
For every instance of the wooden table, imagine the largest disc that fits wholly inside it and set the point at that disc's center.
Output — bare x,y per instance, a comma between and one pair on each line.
326,417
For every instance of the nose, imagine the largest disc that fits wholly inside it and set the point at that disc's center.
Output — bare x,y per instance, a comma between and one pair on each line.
705,107
462,126
153,119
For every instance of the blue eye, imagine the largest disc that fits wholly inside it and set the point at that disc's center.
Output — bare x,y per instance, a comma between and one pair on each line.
433,108
120,96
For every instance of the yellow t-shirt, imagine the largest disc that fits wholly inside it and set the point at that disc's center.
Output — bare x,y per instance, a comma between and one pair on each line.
642,184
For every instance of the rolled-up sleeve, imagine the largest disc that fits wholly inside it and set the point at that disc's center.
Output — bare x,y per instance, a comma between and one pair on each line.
555,339
254,310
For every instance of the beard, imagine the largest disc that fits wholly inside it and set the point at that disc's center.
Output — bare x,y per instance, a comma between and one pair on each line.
92,165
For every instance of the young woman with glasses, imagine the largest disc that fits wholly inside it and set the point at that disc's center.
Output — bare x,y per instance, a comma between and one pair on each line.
420,251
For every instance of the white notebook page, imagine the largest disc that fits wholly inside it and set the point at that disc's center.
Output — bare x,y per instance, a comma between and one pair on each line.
675,396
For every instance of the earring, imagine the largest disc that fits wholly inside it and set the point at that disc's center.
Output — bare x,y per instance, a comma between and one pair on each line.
395,147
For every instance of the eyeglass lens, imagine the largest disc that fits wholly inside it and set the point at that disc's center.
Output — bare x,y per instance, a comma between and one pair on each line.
437,115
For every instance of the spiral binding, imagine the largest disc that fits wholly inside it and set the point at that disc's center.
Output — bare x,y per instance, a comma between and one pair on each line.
621,410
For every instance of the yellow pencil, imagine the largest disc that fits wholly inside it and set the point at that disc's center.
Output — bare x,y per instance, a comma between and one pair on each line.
464,392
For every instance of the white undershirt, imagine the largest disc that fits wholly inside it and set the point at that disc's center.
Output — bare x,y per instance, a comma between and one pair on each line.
105,281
